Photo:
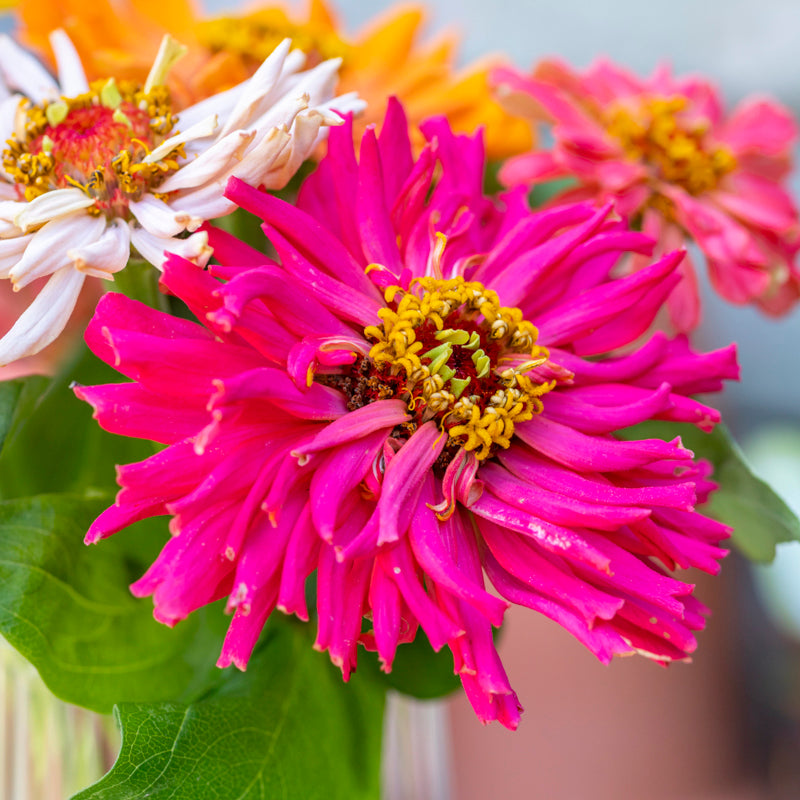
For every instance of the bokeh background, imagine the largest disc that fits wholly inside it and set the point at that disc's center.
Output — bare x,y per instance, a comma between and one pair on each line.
726,727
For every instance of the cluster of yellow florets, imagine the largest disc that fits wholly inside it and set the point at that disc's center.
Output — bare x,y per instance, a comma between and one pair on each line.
448,337
655,132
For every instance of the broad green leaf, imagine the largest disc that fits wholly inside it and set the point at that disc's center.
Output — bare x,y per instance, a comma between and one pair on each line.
66,607
56,446
18,398
287,728
759,517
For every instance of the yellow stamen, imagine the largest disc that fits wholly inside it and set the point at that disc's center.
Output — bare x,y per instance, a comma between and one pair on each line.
675,145
38,166
432,311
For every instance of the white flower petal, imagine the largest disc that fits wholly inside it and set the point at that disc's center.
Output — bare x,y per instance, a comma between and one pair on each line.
294,62
208,201
47,251
7,190
45,317
9,107
8,230
259,90
305,135
220,104
22,71
343,104
199,130
11,251
311,90
269,154
49,206
107,255
205,202
156,216
274,167
10,210
209,163
194,248
155,248
318,83
71,76
282,113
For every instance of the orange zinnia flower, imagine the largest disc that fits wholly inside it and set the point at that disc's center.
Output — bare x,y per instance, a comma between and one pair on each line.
382,60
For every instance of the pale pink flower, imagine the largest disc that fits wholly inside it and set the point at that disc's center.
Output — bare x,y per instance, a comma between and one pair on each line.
677,167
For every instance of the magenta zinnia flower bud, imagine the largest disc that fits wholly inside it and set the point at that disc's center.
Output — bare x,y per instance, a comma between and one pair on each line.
677,166
420,394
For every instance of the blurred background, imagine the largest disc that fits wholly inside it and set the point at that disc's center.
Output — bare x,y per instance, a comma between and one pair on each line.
726,727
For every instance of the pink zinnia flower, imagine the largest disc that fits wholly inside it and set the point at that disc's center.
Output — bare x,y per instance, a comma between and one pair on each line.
675,165
379,407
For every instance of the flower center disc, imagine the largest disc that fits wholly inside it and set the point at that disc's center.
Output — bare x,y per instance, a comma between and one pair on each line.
454,354
98,142
658,133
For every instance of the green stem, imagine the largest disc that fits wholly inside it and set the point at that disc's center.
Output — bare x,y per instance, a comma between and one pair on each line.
139,280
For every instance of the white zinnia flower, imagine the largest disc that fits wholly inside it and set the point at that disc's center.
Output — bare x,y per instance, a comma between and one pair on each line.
90,170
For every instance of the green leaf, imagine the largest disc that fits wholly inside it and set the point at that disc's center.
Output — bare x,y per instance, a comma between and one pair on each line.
66,607
542,193
539,194
18,398
55,445
287,728
759,517
139,280
247,228
417,670
491,183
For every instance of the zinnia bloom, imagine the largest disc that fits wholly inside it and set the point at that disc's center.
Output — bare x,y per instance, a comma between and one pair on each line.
379,406
678,167
384,59
91,169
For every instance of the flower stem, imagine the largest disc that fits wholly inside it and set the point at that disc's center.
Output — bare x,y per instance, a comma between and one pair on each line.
139,280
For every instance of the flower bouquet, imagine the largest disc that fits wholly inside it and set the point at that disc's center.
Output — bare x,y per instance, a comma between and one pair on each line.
347,353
